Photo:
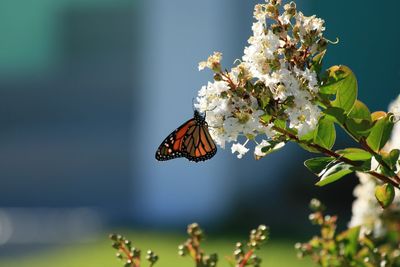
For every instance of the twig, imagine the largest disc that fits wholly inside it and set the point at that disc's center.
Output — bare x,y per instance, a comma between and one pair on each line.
337,156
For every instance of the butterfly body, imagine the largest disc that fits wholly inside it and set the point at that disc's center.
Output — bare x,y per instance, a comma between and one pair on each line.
191,140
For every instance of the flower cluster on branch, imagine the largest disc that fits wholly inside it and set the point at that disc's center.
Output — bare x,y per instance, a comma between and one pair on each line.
277,93
274,81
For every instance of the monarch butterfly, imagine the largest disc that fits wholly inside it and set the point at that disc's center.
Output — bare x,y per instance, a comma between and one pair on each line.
191,140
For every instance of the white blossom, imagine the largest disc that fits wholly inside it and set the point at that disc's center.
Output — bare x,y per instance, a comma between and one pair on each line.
211,61
258,149
308,25
240,149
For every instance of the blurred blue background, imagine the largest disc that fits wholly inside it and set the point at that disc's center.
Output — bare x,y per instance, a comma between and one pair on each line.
89,88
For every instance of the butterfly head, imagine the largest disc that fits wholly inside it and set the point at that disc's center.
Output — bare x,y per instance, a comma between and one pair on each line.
199,117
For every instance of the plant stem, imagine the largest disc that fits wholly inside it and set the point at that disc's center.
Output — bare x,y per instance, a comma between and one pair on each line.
337,156
246,258
365,145
129,256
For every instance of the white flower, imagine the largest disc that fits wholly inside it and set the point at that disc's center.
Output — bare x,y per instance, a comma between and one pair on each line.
271,43
366,210
240,149
211,61
258,149
258,28
264,143
308,24
218,87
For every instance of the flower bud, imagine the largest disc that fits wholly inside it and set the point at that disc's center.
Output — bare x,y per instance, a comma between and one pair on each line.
113,237
290,8
316,205
217,77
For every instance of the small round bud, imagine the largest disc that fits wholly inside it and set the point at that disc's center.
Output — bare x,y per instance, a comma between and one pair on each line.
113,237
316,205
217,77
135,252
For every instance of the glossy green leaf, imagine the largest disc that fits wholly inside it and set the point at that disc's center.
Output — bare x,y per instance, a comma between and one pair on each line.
391,158
334,173
355,154
332,81
308,148
280,123
264,101
394,157
359,120
384,194
358,128
266,118
325,134
308,137
360,111
342,83
346,94
335,114
380,133
317,165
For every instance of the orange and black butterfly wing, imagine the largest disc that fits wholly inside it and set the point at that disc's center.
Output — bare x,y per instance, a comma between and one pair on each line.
171,147
198,143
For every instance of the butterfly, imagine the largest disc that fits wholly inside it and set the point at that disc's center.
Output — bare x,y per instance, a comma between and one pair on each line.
191,140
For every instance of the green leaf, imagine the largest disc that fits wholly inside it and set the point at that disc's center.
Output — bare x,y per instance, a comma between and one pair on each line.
264,101
325,134
359,120
280,123
346,94
358,128
350,238
355,154
341,82
266,118
360,111
317,165
308,148
308,137
335,173
336,114
380,133
391,158
384,194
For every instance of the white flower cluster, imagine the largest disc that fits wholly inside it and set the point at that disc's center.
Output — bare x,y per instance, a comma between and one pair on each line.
223,114
366,210
277,58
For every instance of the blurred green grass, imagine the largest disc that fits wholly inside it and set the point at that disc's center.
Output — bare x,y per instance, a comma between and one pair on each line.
100,254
